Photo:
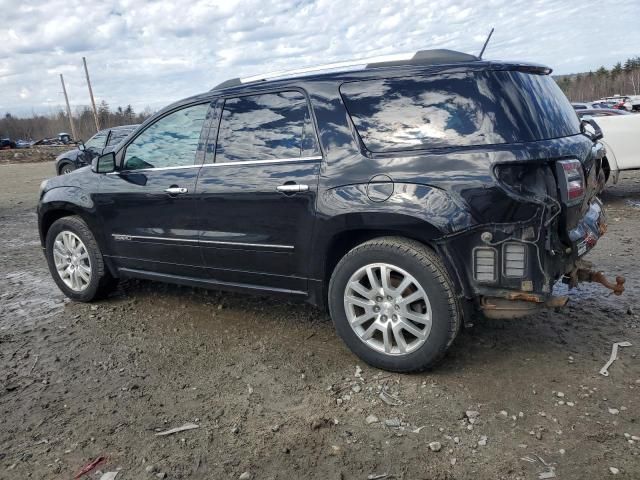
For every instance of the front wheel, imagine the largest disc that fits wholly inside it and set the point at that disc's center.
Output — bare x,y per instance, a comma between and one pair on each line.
393,304
75,260
66,168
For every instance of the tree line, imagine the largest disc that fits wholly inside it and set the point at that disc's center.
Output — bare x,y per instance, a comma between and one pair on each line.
37,127
622,79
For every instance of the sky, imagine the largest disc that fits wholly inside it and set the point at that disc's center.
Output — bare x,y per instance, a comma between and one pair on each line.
153,52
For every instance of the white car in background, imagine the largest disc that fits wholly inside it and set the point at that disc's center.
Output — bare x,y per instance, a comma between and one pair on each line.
621,131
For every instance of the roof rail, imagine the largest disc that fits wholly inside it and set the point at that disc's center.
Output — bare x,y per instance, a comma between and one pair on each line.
421,57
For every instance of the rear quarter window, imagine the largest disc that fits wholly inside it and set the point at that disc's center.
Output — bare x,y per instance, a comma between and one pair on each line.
461,109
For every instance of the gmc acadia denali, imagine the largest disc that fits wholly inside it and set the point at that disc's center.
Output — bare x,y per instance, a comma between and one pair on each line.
404,194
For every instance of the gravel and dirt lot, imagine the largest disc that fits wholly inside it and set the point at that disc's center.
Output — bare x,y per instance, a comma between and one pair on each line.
276,395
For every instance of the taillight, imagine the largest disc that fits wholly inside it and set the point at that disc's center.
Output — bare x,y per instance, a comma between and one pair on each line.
571,180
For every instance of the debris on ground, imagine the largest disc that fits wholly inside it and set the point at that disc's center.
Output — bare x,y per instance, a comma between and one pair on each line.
371,419
435,446
374,476
389,399
186,426
472,415
614,470
89,466
393,423
109,475
614,355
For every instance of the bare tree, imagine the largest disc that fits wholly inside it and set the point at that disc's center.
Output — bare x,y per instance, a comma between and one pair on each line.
37,127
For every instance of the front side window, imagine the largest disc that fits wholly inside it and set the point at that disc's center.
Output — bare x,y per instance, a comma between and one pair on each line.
97,141
267,126
172,141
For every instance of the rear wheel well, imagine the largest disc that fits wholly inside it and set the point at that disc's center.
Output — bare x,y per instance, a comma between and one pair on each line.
343,242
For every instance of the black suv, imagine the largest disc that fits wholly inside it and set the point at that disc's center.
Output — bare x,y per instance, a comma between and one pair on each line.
404,195
106,139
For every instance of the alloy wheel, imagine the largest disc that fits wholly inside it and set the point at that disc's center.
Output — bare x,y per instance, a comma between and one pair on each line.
72,261
388,309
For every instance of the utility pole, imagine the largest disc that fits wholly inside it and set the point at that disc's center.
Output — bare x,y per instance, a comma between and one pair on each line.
66,99
93,102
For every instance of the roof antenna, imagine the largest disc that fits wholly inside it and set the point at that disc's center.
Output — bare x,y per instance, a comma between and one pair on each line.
485,44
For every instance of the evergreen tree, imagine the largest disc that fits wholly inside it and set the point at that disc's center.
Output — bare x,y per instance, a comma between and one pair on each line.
129,114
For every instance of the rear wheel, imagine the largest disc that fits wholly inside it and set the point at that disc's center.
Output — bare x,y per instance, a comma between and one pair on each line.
393,304
75,260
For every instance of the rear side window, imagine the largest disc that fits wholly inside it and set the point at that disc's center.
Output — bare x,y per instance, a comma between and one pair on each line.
267,126
462,109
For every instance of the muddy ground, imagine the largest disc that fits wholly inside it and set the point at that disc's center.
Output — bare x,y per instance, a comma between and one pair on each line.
276,394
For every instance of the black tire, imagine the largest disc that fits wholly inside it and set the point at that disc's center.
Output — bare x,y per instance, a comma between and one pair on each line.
65,168
101,282
427,268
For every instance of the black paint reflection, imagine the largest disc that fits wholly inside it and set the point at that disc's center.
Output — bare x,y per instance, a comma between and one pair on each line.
461,109
265,127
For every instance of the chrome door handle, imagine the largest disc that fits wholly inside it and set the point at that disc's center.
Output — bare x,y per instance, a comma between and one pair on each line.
176,190
292,188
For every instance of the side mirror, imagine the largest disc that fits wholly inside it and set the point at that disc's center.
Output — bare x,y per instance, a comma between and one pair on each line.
104,163
81,146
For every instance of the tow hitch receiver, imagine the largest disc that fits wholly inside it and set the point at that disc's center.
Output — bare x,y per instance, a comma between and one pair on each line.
583,272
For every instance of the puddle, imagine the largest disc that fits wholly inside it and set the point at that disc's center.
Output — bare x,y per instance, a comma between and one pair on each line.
28,299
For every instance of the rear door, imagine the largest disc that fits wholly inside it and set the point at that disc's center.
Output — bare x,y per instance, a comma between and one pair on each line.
147,207
257,193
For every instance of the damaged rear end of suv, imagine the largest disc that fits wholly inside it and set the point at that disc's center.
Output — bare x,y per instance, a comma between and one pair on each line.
537,213
505,177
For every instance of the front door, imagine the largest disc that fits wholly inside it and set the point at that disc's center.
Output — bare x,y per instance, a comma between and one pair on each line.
147,206
257,196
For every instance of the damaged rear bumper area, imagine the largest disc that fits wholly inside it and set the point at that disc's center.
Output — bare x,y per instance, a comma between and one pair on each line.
509,269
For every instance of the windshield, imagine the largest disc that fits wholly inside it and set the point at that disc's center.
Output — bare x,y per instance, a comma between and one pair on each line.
97,141
461,109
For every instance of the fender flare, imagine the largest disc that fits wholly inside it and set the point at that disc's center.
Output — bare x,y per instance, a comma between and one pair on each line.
61,201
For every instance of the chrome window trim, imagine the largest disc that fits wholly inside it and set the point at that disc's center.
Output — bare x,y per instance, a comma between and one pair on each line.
154,169
122,236
261,162
224,164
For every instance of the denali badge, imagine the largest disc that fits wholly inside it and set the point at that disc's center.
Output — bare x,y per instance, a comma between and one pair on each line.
121,237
